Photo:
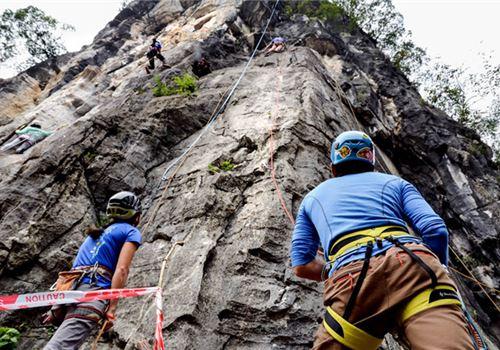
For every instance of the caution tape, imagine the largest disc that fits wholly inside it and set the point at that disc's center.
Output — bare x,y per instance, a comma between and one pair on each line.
27,301
159,344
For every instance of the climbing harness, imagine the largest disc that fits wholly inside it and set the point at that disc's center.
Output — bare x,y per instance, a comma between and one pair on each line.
339,326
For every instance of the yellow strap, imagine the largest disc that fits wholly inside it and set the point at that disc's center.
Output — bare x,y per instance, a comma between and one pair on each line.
429,298
348,334
371,234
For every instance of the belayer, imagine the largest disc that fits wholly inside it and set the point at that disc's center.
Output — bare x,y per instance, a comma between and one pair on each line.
154,51
380,278
26,138
102,262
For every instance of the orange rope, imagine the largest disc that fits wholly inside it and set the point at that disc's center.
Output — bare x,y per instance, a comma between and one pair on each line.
271,147
475,279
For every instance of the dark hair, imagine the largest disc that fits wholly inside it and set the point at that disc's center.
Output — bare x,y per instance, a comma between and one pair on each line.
35,125
96,232
353,167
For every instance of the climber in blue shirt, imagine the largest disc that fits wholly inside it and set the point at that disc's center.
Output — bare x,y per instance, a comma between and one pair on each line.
277,44
102,262
379,276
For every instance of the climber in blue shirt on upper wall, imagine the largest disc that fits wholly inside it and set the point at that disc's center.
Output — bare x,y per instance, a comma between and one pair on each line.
379,277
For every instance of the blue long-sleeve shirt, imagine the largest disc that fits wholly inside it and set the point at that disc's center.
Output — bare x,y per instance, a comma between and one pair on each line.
355,202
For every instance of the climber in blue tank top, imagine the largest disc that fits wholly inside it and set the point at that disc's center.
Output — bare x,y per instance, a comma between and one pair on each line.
378,276
103,261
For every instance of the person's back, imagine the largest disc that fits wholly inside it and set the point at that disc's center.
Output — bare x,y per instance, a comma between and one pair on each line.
105,250
380,277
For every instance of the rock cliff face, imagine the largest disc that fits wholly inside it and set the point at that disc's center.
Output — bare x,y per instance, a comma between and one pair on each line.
230,285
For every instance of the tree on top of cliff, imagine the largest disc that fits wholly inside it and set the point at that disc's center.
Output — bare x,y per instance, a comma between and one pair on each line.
473,99
32,31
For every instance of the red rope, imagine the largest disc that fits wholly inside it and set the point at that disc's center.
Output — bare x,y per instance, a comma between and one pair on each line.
271,147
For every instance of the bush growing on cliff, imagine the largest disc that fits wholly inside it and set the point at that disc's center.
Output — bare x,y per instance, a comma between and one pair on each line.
323,10
225,166
160,88
9,337
180,85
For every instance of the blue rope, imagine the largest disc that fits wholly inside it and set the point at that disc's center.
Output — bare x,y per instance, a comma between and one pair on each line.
223,106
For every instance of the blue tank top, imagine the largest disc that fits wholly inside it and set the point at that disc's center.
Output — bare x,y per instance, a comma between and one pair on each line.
106,249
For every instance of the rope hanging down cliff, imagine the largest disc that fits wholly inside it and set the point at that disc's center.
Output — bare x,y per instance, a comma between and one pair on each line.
223,107
179,161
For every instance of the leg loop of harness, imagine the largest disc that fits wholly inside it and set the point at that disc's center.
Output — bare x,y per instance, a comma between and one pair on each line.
348,334
429,298
87,313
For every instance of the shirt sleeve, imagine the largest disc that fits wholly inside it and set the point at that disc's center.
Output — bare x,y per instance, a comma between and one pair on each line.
305,239
23,131
425,221
134,236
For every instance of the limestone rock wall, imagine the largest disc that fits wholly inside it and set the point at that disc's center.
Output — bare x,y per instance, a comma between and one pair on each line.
230,285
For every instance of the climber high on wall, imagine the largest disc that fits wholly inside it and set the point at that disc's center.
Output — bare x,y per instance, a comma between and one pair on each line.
154,51
276,45
380,277
26,138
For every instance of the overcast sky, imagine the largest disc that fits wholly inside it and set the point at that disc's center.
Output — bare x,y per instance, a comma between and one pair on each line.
455,30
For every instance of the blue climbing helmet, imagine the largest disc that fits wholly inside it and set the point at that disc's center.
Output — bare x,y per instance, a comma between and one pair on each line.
353,146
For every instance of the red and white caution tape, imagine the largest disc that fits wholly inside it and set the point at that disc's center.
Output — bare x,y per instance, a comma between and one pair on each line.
27,301
159,344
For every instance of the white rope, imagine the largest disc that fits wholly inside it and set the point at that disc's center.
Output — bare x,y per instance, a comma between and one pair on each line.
223,106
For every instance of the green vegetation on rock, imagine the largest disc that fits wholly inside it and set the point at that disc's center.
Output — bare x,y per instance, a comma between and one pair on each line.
184,84
225,166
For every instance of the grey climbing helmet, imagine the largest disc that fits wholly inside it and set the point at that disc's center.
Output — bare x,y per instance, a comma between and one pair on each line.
123,205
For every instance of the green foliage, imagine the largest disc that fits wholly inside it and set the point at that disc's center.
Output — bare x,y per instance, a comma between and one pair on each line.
180,85
9,338
473,99
160,88
33,31
225,165
324,10
186,84
212,169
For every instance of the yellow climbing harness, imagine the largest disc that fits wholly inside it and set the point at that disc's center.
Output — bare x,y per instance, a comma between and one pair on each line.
357,339
348,334
429,298
359,238
339,326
